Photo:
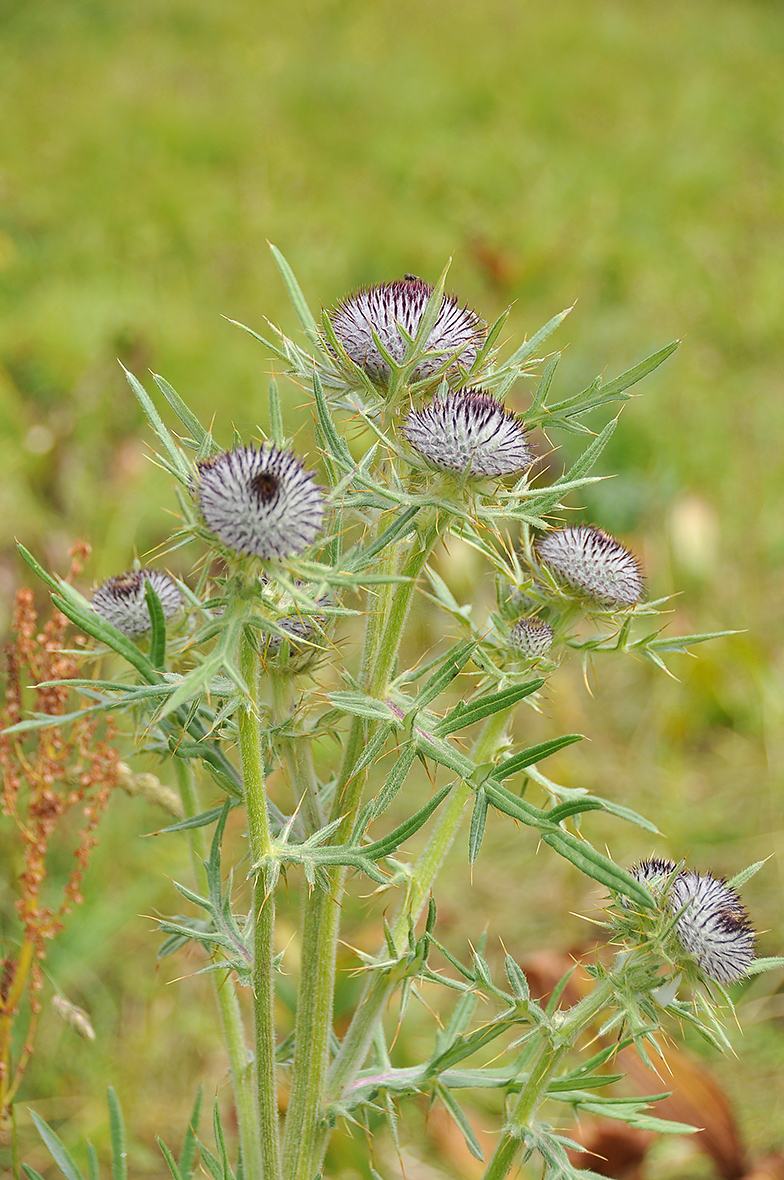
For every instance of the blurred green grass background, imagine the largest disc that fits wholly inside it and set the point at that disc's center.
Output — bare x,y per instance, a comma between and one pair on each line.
626,155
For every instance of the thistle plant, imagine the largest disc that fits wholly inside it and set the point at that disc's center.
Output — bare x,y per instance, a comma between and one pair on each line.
308,567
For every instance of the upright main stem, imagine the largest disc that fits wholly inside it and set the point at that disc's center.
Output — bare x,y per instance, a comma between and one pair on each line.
263,975
304,1140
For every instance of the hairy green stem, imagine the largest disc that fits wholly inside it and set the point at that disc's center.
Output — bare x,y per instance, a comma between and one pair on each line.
263,977
370,1010
305,1140
230,1015
490,742
296,753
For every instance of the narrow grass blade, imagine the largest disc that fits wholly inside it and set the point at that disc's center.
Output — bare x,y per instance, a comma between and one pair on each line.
57,1149
117,1135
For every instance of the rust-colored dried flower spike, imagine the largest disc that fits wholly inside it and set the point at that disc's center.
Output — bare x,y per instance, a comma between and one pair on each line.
457,334
46,774
593,563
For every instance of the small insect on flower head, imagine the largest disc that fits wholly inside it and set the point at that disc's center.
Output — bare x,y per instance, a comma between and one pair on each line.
456,337
532,637
470,433
122,601
593,563
260,502
713,925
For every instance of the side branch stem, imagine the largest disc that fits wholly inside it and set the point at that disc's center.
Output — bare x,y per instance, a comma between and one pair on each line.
359,1037
557,1043
263,977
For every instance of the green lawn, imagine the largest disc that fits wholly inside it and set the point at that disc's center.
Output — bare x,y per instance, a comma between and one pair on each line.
624,155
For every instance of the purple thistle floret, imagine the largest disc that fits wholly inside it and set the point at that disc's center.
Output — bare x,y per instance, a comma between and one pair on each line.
593,563
470,433
122,601
456,337
260,502
654,872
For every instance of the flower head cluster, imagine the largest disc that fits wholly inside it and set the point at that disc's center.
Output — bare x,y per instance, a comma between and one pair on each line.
260,502
532,637
469,432
122,601
593,563
712,924
456,336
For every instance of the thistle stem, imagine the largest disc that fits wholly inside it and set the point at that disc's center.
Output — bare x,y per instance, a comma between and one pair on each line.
370,1010
263,976
296,753
556,1043
230,1015
304,1140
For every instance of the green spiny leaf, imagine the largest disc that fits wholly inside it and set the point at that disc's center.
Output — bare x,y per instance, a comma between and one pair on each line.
457,1113
186,415
478,819
534,754
294,292
485,706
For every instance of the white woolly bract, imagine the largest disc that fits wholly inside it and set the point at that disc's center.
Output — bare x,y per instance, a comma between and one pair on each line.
594,563
121,600
469,432
457,333
714,927
260,502
533,637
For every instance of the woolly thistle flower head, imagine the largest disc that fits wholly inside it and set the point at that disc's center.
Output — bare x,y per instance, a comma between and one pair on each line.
713,925
469,432
593,563
122,601
456,337
532,637
261,502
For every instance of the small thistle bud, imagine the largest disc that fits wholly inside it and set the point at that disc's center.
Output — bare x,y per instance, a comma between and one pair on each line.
594,563
713,925
457,333
532,637
260,502
471,433
121,600
300,630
